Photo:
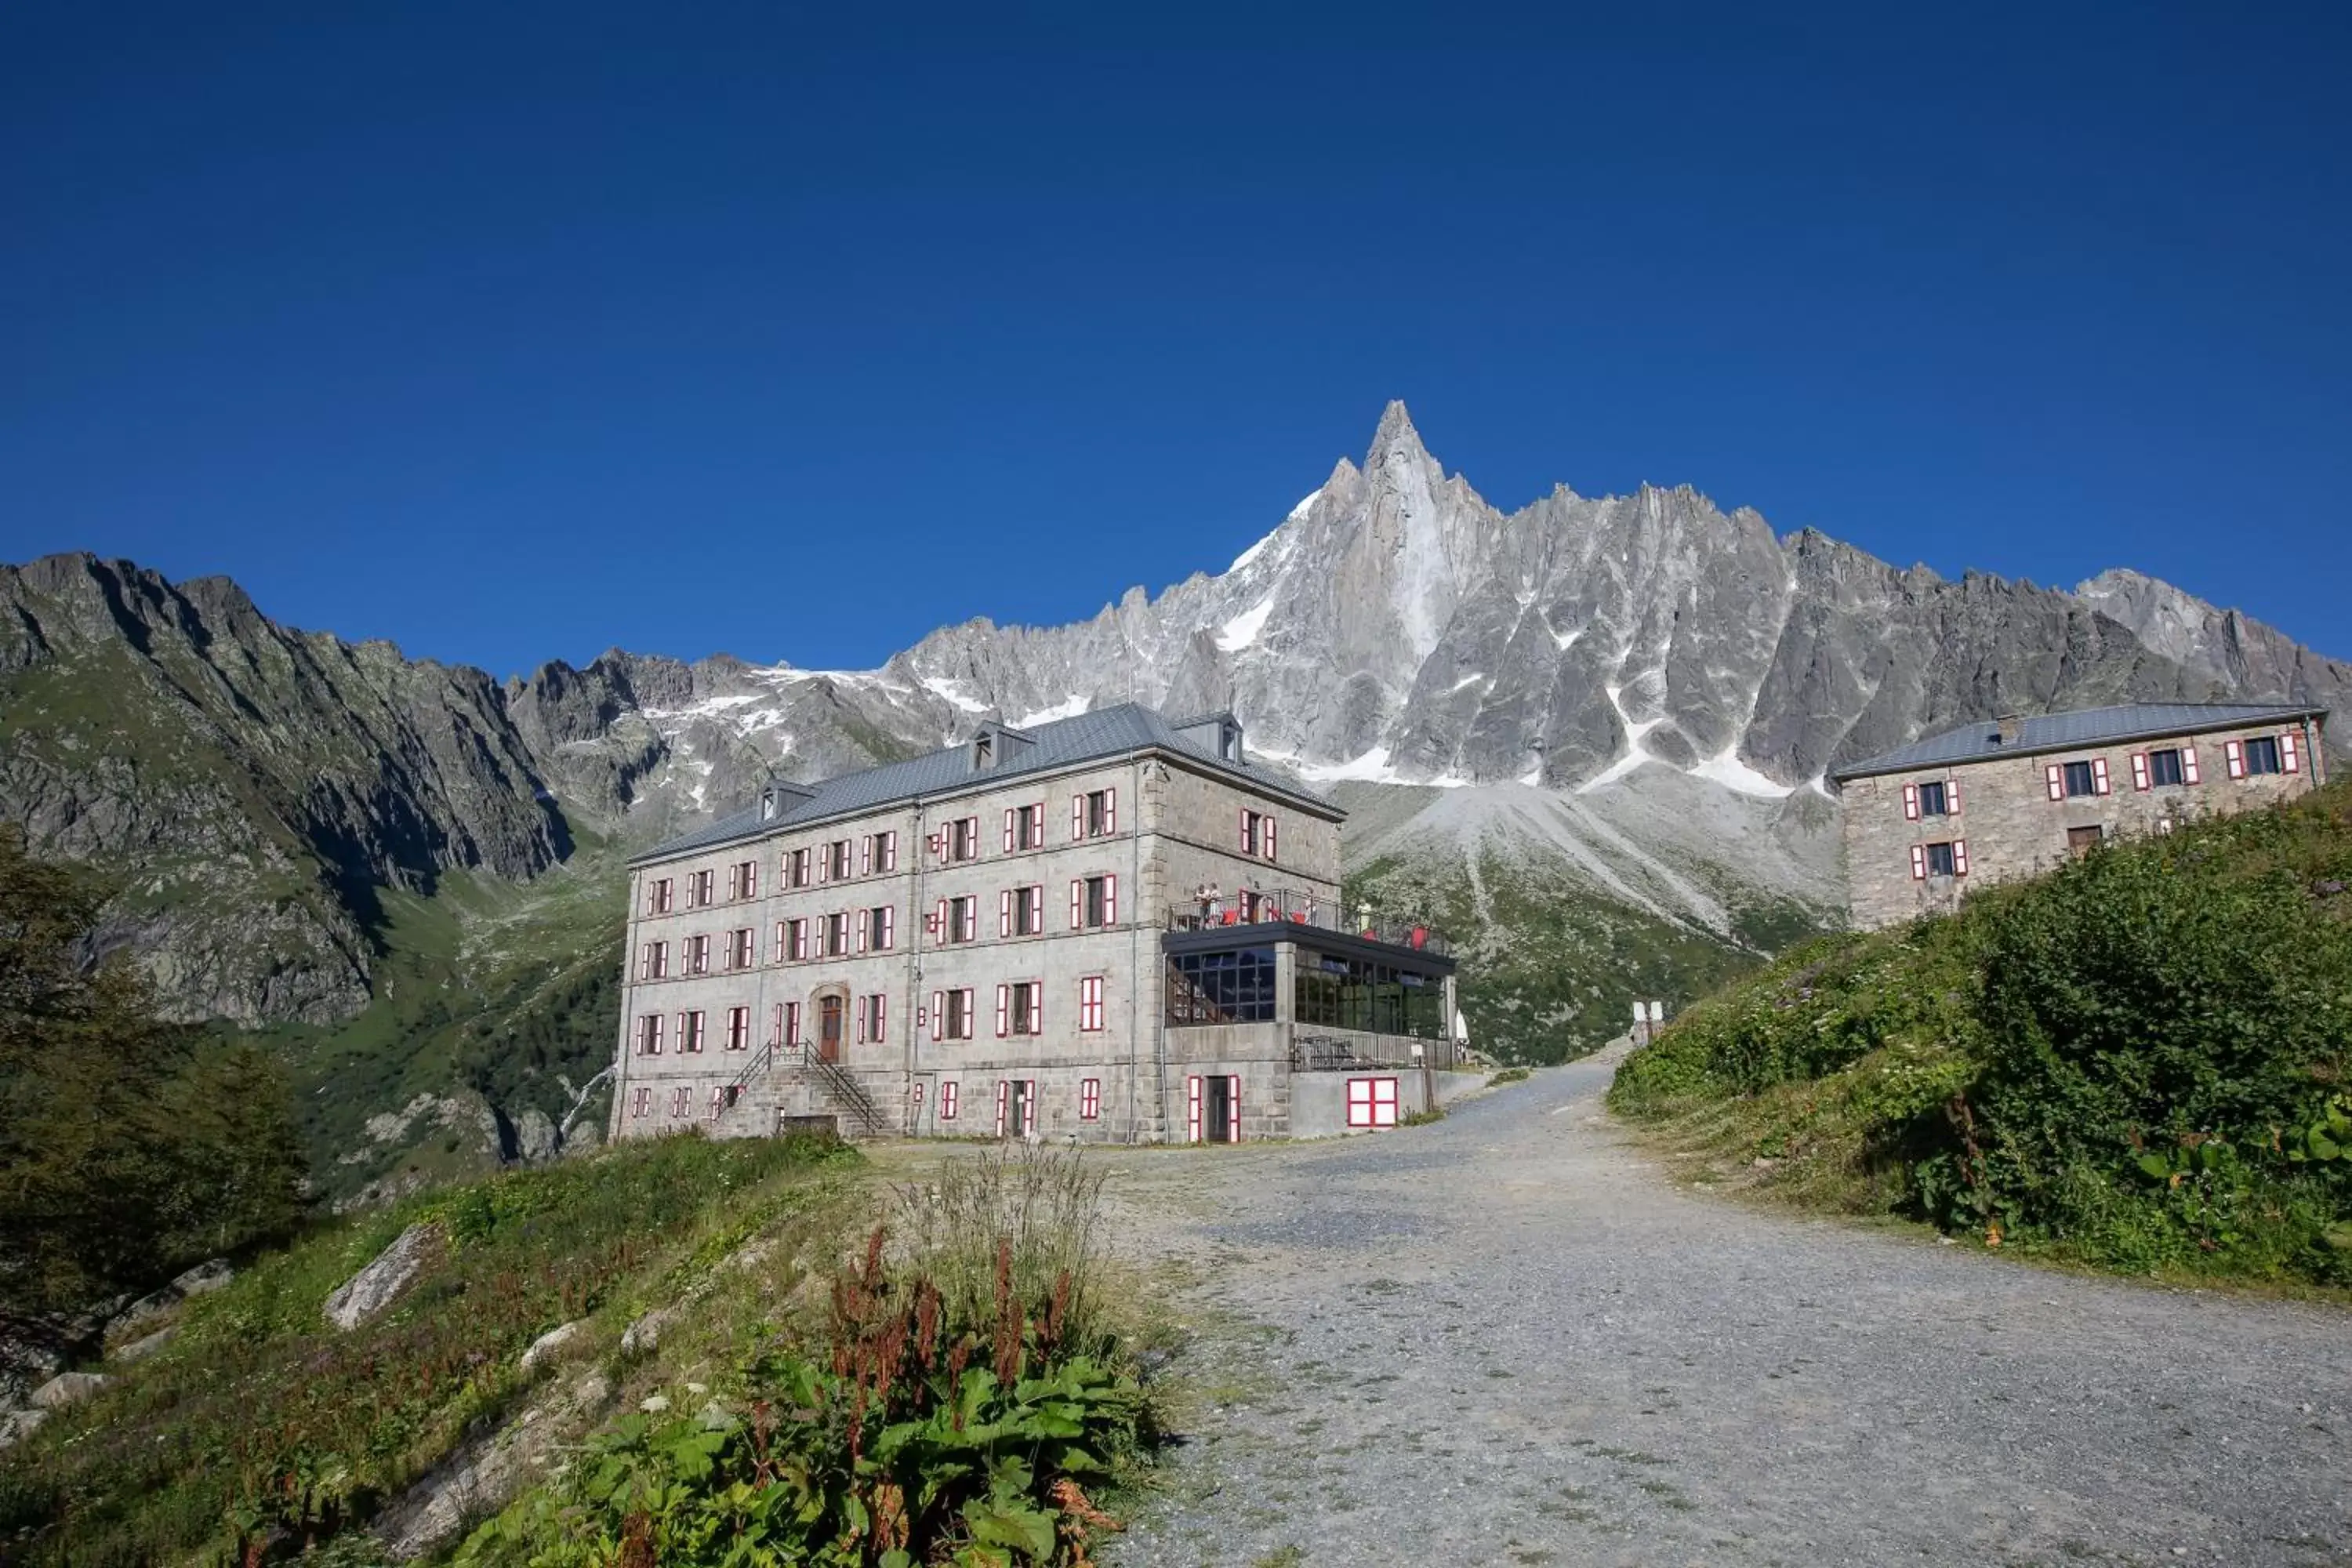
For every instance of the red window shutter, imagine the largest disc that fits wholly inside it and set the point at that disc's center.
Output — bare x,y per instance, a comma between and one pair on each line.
1004,912
948,1101
1242,834
865,855
2099,775
881,1017
1008,830
1110,900
1918,862
2235,754
2289,759
890,850
1910,802
1077,901
1003,1011
2055,777
1959,856
1004,1092
2139,771
1077,817
1192,1110
938,1013
939,920
1269,838
1110,810
889,925
2189,765
1234,1109
861,933
1036,1009
1952,798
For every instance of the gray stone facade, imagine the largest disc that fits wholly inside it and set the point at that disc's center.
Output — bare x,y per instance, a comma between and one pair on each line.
2004,822
1060,881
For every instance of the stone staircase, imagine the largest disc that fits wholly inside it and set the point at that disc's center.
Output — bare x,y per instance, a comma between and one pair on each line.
784,1081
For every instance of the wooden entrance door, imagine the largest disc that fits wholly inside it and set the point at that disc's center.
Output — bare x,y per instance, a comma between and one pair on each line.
828,1028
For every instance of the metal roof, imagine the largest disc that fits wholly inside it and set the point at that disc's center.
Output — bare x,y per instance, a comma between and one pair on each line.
2084,727
1093,737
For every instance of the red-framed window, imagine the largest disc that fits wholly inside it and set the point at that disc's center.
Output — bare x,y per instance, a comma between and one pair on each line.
643,1101
1094,902
744,880
739,1028
1195,1109
1089,1098
1372,1102
659,895
947,1100
652,964
681,1100
740,949
1258,835
1019,1008
689,1031
794,869
1094,815
649,1035
872,1018
792,1023
722,1095
694,954
1090,1004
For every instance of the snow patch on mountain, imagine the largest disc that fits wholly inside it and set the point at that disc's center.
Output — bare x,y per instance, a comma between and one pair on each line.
1728,770
1242,630
1075,704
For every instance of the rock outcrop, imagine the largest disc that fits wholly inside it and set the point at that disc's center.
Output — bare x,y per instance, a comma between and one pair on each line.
367,1294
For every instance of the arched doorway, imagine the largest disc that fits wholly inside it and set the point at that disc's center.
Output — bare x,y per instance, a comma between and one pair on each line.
832,1022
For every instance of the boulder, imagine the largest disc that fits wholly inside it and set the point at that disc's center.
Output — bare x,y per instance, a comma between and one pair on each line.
140,1349
646,1331
17,1424
371,1289
548,1343
483,1474
68,1388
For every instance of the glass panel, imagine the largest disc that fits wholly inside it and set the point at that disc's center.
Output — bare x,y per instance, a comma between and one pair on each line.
1235,987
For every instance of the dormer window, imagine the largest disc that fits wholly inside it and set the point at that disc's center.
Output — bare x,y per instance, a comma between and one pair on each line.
1229,742
983,750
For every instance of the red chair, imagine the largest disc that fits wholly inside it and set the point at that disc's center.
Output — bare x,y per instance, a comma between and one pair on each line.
1420,937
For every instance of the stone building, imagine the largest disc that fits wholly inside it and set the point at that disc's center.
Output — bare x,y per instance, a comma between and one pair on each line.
2013,797
1110,927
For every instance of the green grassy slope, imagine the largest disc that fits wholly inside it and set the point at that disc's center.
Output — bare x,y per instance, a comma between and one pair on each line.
2142,1061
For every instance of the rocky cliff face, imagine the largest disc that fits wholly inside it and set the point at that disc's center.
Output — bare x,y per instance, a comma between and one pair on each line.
1641,692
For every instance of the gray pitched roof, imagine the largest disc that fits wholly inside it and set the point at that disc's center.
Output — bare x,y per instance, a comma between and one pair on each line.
2085,727
1066,743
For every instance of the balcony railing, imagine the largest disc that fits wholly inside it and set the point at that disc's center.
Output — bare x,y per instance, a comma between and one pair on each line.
1347,1053
1286,906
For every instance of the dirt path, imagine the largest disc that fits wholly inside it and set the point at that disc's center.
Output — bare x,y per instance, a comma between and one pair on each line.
1509,1339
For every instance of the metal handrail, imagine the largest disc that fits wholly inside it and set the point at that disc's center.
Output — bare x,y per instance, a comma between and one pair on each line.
1334,1053
1281,907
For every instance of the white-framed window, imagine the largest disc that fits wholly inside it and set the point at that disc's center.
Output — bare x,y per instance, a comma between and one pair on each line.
1094,815
1372,1102
739,1028
689,1031
1089,1098
1094,902
649,1035
1090,1004
947,1100
1946,858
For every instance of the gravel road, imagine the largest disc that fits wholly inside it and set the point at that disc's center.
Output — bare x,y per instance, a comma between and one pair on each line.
1508,1338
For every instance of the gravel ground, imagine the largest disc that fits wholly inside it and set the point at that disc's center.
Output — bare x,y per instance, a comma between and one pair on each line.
1507,1338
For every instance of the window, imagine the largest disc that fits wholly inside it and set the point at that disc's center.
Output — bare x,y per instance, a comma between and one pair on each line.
951,1014
795,941
1090,1004
2163,768
961,838
2262,755
834,940
1212,1110
680,1101
739,1028
1094,815
1235,987
796,868
880,853
743,879
1094,902
881,928
872,1018
1089,1098
1021,1009
792,1028
1372,1102
739,949
1947,859
1021,911
658,897
1380,998
964,919
1931,800
652,964
1257,835
649,1035
1025,828
947,1100
2081,780
722,1097
689,1032
2081,841
643,1101
697,888
838,860
697,954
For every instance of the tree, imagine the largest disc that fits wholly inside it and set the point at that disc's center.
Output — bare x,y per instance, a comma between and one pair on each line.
130,1147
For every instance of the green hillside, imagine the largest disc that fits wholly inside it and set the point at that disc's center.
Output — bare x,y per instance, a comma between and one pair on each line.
2139,1062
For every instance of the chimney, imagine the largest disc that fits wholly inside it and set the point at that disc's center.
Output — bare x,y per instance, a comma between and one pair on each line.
2008,727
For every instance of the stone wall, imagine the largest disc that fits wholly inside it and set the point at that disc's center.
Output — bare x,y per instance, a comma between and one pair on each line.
2012,828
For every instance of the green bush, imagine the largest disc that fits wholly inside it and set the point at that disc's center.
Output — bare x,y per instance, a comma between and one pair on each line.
2139,1059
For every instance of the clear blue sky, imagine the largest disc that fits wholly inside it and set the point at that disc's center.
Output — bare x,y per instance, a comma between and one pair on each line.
514,333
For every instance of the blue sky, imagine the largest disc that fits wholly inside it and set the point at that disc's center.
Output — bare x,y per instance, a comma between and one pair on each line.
514,333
